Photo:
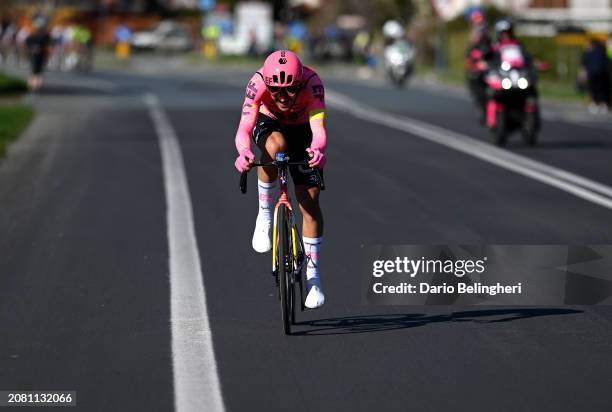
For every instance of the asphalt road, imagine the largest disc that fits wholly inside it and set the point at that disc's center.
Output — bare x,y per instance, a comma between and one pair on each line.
84,262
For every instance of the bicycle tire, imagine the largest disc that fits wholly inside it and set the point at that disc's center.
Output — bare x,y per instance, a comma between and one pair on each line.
297,287
283,261
298,278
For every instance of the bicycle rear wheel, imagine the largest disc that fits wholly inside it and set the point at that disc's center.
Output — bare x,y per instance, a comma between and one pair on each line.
285,269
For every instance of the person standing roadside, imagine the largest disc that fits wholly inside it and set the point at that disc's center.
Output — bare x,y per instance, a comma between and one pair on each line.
596,65
6,28
37,45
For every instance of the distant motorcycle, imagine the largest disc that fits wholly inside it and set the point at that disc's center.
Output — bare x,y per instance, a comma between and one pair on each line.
398,61
512,101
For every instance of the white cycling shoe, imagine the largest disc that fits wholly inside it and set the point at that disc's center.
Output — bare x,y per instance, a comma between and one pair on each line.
261,235
315,298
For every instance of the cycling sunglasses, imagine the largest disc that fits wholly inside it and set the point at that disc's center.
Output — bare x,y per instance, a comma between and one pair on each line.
290,90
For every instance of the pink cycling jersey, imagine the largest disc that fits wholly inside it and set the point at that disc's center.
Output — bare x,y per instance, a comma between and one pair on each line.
309,107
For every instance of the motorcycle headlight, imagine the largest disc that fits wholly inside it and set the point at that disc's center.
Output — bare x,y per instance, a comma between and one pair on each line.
397,58
523,83
506,83
506,66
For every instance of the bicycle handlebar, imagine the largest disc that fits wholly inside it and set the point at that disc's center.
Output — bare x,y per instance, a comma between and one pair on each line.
243,175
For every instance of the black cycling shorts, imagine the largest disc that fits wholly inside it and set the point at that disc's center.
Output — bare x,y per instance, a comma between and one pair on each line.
297,137
37,64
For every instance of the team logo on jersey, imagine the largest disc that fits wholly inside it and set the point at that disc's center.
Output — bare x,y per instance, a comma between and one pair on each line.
251,91
318,92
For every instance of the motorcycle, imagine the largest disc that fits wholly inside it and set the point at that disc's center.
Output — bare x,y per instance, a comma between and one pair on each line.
398,61
512,102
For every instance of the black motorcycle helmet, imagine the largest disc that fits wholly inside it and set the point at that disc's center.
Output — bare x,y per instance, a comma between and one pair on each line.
502,26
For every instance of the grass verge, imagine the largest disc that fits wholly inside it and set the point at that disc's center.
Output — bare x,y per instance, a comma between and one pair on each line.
13,120
11,85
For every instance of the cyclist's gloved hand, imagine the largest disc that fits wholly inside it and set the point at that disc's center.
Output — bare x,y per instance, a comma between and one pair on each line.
244,160
317,158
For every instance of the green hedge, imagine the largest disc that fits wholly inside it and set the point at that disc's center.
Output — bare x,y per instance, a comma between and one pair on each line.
553,83
546,49
542,48
13,120
11,85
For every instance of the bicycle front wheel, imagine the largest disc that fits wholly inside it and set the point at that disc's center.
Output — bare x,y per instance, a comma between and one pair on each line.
285,268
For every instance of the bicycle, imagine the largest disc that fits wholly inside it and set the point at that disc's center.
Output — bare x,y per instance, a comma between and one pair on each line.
287,247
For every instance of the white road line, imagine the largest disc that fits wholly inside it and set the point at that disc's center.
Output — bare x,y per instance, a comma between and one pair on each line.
561,179
196,379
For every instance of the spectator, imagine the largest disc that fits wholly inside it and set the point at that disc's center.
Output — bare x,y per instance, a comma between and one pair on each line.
596,65
21,52
8,31
253,51
37,45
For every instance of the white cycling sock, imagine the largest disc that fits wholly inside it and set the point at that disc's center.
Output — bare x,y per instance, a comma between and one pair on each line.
312,248
266,199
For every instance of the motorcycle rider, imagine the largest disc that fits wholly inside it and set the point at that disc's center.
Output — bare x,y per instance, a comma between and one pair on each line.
399,53
477,60
509,52
505,39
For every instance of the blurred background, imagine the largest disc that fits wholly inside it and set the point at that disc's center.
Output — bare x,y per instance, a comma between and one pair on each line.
332,31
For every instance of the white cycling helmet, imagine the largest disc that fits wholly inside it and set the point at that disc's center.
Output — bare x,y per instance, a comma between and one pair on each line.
392,29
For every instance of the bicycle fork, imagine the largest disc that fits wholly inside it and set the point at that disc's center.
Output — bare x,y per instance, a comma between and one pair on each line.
295,237
283,200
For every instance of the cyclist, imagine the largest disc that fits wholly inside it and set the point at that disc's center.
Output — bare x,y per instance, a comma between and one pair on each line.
284,110
37,45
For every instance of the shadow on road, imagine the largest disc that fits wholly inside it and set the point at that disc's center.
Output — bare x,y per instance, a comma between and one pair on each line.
380,323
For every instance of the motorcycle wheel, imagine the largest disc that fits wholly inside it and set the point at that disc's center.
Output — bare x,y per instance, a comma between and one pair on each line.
500,131
481,107
398,80
530,128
